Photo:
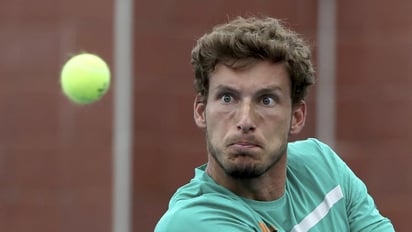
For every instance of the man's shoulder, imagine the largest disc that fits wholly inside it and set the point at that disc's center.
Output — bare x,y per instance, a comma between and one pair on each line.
311,150
310,144
201,190
200,212
311,157
201,197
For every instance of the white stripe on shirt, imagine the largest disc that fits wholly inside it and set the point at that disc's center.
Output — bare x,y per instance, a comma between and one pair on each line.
320,211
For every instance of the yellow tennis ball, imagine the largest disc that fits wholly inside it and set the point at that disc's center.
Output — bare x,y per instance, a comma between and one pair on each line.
85,78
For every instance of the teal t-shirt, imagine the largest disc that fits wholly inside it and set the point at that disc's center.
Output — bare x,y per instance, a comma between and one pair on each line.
322,194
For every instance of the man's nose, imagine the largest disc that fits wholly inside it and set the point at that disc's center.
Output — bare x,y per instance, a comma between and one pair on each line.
246,117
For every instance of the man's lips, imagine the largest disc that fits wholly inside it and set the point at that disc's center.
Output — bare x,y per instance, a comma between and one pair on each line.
244,144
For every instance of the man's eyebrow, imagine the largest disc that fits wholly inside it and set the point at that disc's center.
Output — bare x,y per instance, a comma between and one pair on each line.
269,89
225,88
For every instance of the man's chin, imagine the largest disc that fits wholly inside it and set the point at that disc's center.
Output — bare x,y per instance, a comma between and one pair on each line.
244,172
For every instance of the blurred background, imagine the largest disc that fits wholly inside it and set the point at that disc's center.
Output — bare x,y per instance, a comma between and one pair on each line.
56,158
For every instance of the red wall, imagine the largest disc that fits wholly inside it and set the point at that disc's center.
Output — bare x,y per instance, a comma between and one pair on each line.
56,157
375,101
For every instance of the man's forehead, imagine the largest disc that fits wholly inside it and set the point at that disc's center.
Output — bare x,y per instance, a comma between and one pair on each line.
264,75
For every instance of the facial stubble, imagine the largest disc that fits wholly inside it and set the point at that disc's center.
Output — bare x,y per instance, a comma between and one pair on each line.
247,170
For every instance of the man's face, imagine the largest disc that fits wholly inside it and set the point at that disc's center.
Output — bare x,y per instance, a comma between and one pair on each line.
248,118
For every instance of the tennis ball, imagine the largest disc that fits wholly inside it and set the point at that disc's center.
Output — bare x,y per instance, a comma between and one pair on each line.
85,78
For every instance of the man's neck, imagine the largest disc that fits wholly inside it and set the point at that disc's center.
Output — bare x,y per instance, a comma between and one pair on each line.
267,187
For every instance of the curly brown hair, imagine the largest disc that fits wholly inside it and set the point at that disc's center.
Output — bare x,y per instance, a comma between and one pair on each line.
244,41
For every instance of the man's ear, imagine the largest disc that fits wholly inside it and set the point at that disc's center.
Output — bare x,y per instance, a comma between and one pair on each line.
298,118
199,111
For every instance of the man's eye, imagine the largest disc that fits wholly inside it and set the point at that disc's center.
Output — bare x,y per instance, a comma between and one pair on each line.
226,98
268,101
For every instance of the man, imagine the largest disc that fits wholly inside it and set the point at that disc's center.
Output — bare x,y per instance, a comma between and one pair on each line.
251,78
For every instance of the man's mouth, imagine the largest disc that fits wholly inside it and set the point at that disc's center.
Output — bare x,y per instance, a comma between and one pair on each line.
244,144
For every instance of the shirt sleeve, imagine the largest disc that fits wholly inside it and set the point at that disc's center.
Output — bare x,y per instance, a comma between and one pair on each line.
362,212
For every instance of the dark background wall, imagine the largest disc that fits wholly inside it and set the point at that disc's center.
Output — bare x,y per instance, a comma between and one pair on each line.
374,100
56,157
